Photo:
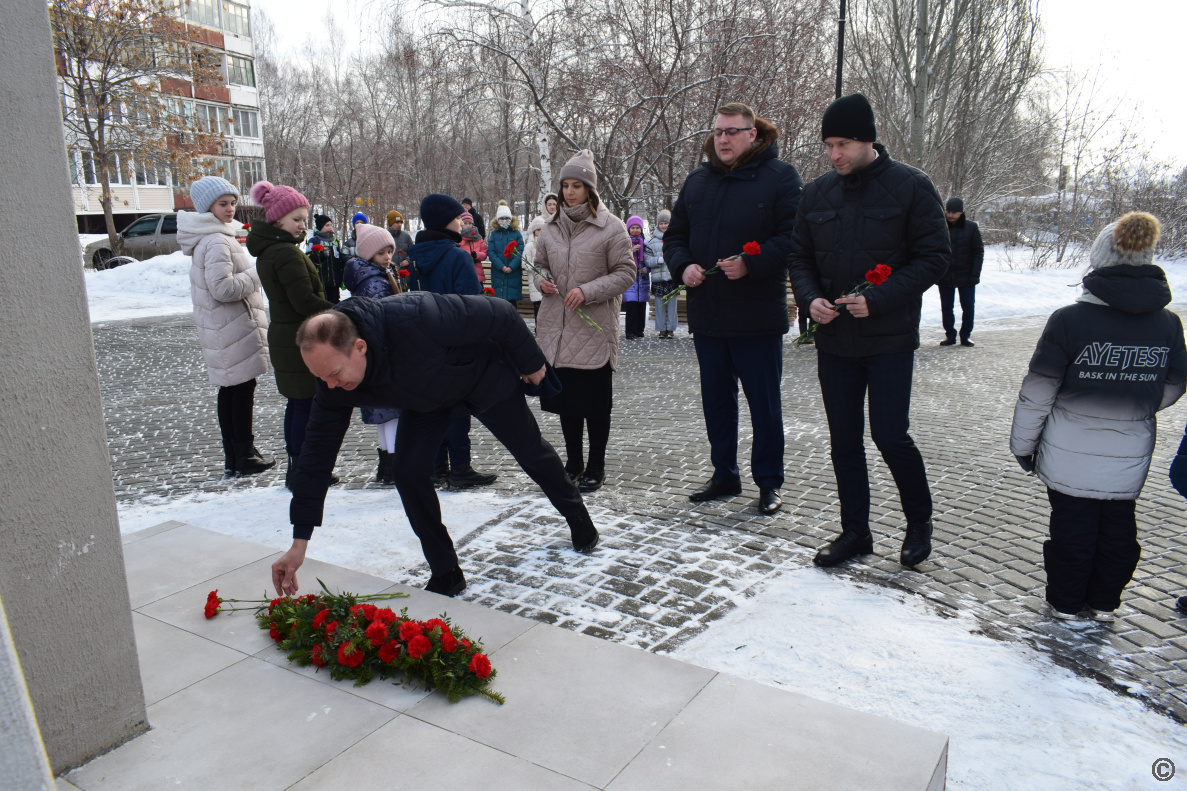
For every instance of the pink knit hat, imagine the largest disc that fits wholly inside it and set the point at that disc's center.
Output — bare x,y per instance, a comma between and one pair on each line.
277,199
370,239
467,216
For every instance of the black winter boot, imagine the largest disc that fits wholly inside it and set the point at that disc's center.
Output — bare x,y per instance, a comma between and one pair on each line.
248,460
381,473
585,536
441,473
229,459
449,584
917,544
468,478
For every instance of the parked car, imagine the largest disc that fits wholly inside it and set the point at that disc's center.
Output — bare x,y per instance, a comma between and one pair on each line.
153,234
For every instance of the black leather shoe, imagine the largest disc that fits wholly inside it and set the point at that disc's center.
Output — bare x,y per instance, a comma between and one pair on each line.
574,475
769,500
441,474
917,544
585,536
591,482
470,478
844,547
966,342
948,342
449,584
714,489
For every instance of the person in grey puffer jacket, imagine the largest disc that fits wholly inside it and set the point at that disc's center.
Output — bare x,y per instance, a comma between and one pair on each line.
229,312
1085,421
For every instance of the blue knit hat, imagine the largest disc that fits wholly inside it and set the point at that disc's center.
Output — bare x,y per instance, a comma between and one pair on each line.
358,217
437,210
206,190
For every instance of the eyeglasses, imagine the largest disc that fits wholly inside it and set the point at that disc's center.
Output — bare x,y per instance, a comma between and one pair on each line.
731,131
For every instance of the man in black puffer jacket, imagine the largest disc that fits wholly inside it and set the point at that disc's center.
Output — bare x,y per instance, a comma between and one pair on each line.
423,353
744,193
870,210
963,275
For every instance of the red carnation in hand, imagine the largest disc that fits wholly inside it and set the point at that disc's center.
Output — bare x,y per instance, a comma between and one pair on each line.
318,656
377,633
247,227
510,250
389,651
480,665
490,292
419,646
385,615
877,276
404,273
751,248
448,643
320,619
409,630
349,655
317,248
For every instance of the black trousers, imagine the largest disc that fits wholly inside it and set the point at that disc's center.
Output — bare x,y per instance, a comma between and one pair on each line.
843,383
636,318
511,421
296,418
1092,553
455,448
235,406
758,364
948,303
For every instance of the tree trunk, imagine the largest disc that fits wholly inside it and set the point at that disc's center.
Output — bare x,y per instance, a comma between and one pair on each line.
113,238
919,93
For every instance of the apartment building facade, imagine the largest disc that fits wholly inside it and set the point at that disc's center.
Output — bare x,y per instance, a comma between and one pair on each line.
139,188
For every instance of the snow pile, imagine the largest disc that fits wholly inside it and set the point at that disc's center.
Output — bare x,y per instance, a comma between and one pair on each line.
1015,719
159,286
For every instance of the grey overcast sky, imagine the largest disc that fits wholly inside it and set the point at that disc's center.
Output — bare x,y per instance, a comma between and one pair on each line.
1137,43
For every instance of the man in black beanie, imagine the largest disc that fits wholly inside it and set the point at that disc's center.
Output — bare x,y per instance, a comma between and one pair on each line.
322,249
479,223
869,211
963,275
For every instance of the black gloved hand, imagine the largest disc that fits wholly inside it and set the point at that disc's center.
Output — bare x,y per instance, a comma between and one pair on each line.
1027,463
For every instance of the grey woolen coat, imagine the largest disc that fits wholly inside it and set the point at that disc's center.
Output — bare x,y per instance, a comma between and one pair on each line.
228,301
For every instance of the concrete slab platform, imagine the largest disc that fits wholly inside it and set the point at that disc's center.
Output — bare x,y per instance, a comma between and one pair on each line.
227,710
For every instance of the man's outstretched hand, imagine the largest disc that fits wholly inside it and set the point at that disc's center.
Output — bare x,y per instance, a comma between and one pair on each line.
284,570
532,379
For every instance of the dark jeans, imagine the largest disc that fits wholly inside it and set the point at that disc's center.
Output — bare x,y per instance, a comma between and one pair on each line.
235,406
947,302
636,318
511,421
456,446
1092,553
758,363
296,418
843,383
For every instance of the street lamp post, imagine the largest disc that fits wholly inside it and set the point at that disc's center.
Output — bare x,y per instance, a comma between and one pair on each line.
840,46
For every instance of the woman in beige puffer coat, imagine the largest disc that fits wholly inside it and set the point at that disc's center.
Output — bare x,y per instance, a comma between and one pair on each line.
586,253
230,314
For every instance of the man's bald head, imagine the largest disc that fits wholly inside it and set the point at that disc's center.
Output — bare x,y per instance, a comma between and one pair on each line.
332,349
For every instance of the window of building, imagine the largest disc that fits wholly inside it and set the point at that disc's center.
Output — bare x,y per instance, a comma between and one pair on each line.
203,12
214,118
224,168
150,175
236,19
181,110
88,168
247,123
250,171
241,71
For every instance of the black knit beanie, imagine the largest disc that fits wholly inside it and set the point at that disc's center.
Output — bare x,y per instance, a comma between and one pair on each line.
954,205
437,210
319,221
851,117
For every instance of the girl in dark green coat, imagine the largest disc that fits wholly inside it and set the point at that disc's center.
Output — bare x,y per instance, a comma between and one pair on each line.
294,292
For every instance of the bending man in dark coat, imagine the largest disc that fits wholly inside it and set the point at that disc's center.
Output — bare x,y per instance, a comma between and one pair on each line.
964,273
467,350
869,210
738,316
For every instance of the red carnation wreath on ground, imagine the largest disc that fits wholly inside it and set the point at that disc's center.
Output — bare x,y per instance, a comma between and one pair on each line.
356,640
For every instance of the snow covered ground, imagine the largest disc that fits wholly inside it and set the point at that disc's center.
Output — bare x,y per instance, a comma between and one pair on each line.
160,286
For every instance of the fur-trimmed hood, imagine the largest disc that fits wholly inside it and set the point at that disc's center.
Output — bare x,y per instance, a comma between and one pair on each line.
768,133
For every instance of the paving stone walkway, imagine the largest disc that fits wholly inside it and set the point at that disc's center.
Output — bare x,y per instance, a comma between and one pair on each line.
689,564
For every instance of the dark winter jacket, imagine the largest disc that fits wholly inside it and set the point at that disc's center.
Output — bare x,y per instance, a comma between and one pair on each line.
1098,375
468,350
722,208
479,223
403,244
437,264
506,286
1179,468
294,292
886,213
365,279
968,254
329,263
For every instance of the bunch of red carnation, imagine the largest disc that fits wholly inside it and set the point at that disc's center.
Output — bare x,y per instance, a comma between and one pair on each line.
354,639
317,248
490,292
511,250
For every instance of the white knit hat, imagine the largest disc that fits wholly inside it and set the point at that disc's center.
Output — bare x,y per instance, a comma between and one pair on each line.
206,190
504,211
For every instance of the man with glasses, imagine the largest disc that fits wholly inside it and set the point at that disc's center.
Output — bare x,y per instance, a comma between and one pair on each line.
395,224
868,211
742,196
